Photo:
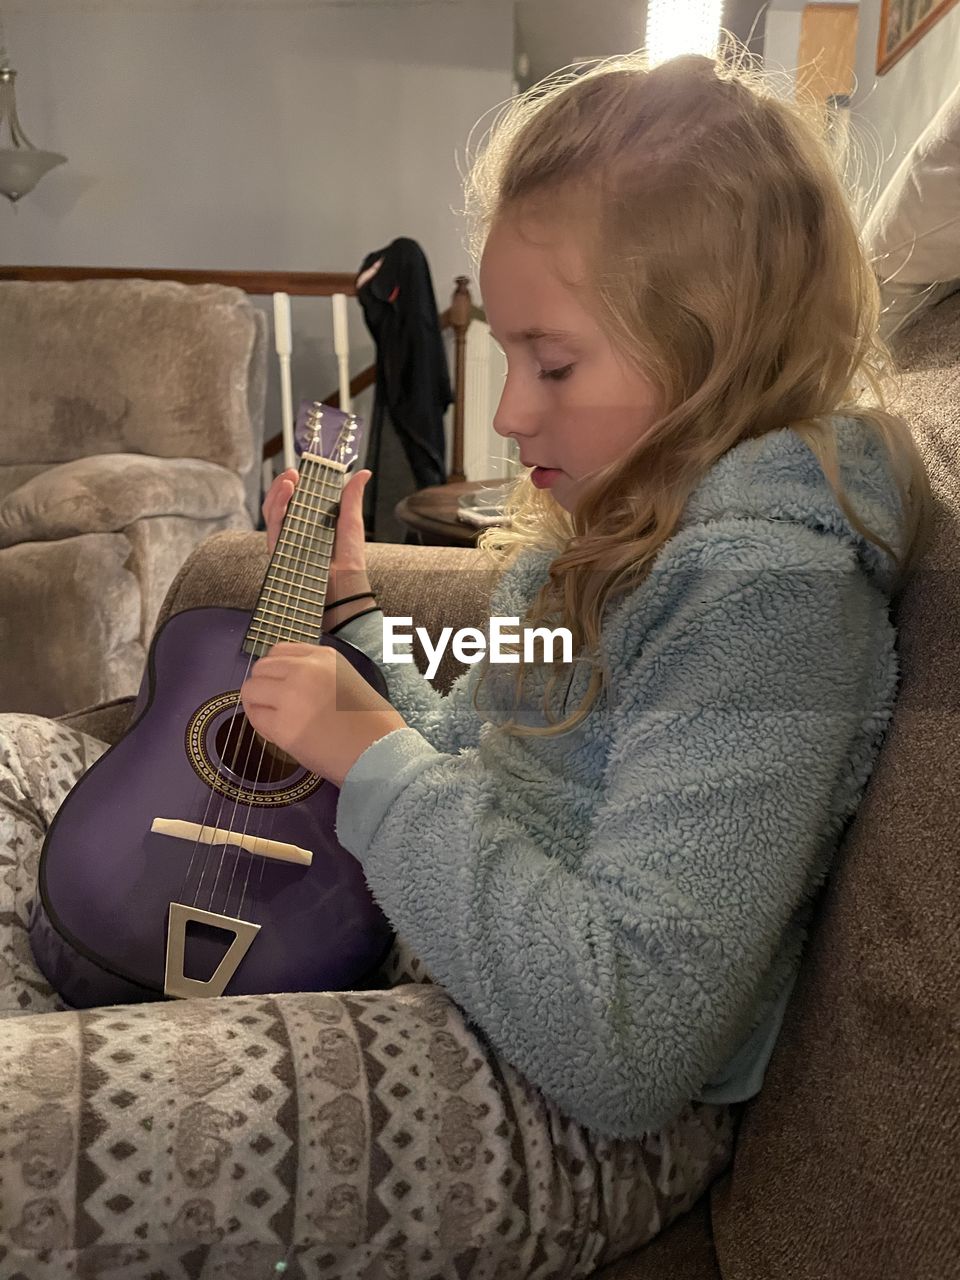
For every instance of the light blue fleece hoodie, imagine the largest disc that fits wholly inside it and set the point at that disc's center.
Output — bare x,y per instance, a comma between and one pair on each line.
621,909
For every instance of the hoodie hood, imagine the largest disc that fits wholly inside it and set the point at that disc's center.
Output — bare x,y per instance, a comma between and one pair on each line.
778,477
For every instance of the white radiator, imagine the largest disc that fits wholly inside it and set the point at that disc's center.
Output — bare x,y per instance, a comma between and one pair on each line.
486,456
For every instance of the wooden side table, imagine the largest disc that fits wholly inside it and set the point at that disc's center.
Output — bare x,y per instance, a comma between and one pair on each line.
432,513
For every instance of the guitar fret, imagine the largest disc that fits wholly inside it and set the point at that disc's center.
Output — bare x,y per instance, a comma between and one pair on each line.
281,589
288,535
309,463
297,566
259,646
279,613
316,500
257,635
292,630
310,529
290,606
277,618
324,549
292,570
307,490
294,558
305,497
317,516
278,595
283,585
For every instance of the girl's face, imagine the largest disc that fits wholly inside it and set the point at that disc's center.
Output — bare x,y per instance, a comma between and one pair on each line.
570,401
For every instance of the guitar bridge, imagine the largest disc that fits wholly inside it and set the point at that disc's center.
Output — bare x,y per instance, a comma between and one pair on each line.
263,848
175,980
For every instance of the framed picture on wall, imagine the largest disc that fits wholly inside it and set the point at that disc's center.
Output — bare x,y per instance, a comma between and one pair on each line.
902,24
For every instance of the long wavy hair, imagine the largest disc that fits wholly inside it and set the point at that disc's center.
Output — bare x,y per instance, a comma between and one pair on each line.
725,265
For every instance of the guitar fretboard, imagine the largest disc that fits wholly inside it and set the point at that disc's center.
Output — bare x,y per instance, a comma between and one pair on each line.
291,600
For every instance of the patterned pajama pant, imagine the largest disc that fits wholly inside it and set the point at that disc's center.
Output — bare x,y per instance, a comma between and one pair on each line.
370,1134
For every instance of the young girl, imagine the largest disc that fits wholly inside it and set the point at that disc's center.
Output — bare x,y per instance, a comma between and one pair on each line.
606,867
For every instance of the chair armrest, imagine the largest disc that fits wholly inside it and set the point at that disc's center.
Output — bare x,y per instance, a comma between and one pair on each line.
108,492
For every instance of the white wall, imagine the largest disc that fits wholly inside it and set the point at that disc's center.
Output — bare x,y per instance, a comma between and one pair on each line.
781,43
291,136
285,136
892,110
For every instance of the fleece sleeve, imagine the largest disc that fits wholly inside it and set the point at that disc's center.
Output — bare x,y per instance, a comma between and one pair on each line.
449,722
619,982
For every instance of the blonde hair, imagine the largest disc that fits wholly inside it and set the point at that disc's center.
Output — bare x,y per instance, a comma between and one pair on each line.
725,265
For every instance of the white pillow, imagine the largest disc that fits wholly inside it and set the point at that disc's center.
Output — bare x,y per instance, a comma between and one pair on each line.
912,235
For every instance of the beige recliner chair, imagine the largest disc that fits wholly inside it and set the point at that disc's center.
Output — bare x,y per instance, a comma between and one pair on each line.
131,426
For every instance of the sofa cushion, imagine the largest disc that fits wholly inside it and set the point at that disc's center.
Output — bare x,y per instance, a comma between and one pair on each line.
846,1162
107,493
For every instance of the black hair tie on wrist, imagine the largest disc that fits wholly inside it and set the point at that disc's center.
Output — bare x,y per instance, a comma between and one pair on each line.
362,614
361,595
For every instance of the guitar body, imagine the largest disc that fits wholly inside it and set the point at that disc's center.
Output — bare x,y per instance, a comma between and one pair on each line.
99,929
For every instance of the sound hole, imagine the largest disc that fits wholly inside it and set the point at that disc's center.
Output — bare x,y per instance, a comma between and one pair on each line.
250,756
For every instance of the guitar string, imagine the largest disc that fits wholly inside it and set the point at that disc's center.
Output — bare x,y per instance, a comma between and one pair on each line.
300,558
238,775
254,782
213,790
319,504
326,504
301,561
310,502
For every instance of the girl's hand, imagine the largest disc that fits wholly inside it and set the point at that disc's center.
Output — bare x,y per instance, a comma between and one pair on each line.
348,565
349,542
276,502
311,703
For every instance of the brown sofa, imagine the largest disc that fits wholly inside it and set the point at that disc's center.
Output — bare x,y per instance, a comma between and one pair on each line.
847,1163
131,425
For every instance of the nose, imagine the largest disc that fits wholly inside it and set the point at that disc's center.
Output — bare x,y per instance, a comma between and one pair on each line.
515,415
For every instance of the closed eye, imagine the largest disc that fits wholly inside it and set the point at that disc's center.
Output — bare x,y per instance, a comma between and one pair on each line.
556,375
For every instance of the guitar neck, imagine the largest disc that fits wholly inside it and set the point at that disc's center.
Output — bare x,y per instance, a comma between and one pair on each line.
290,605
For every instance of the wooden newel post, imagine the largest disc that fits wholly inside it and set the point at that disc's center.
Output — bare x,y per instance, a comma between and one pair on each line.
461,313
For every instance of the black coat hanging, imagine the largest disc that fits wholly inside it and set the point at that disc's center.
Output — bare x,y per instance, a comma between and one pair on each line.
413,381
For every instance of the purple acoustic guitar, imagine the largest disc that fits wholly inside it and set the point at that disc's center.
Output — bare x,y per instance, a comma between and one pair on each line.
194,858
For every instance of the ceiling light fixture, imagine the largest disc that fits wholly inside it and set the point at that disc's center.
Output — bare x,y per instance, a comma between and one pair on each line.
22,165
675,27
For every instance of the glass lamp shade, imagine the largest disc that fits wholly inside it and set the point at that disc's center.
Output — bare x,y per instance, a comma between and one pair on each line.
21,168
22,165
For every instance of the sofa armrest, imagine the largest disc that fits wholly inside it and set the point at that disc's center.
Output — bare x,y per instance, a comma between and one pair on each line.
108,492
108,721
436,586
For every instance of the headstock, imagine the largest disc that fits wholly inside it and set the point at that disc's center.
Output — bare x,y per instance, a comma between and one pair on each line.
328,433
